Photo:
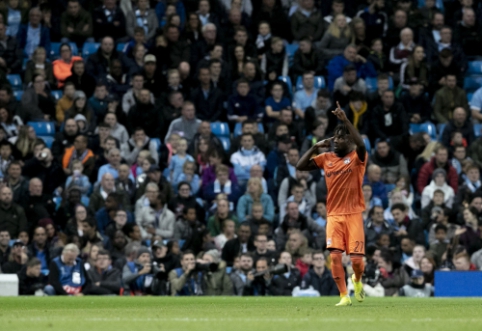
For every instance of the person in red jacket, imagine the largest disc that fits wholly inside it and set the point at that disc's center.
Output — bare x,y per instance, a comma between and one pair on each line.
440,160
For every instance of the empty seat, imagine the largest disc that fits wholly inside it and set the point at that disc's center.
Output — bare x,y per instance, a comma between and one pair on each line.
57,94
472,83
43,128
287,80
120,47
290,51
89,48
440,129
18,95
478,130
319,82
157,141
372,83
15,81
424,127
220,129
238,129
47,140
226,143
475,67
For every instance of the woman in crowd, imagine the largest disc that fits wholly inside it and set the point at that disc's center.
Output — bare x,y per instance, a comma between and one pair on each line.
39,65
336,38
254,193
62,68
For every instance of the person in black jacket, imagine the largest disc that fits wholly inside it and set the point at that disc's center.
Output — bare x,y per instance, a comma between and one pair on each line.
207,98
236,246
45,168
388,119
458,123
104,278
145,115
283,285
81,79
37,203
29,278
412,228
10,55
306,59
319,277
109,20
99,62
416,103
40,248
65,139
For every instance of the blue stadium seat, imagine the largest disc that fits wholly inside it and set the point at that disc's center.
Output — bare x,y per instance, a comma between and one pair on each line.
226,143
15,81
287,80
120,47
24,64
470,96
319,82
18,95
89,48
440,129
475,68
55,50
157,141
290,51
478,130
47,140
220,129
238,129
58,201
372,83
57,94
368,146
424,127
472,83
85,201
43,128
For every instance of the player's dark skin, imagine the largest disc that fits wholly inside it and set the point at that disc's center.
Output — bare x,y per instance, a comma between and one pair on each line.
343,144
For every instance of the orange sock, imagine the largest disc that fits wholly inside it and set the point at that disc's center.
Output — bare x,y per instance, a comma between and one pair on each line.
358,266
338,272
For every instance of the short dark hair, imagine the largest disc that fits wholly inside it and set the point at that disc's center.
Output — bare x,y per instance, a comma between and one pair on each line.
354,96
33,262
383,76
399,206
242,81
187,252
446,53
248,121
183,183
323,93
104,252
439,227
91,222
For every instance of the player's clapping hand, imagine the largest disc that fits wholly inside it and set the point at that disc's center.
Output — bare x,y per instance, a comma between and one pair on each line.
339,113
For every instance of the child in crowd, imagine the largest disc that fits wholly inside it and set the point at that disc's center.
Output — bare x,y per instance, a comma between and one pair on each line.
303,264
145,165
320,213
136,168
228,233
188,175
178,160
77,178
172,144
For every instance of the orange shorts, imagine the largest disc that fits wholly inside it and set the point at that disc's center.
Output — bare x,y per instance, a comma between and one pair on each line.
346,233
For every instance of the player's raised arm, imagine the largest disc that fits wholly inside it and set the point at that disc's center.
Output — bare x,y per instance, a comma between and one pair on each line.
355,135
306,162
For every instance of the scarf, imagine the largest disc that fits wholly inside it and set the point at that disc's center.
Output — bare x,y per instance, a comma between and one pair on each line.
260,40
226,189
76,156
246,152
291,169
109,14
141,20
472,186
358,114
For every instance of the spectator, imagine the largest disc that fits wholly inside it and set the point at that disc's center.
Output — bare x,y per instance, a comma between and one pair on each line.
319,277
376,226
44,167
109,20
183,280
392,164
306,96
4,245
252,127
307,22
468,33
98,63
39,64
30,281
400,53
38,100
81,153
207,98
241,244
389,119
417,287
416,103
338,63
254,193
104,279
144,17
114,158
138,142
275,103
274,61
67,273
277,157
80,107
222,184
40,248
178,49
337,37
187,124
307,59
405,226
10,53
374,179
469,234
283,285
131,98
188,229
12,215
156,219
247,156
26,33
65,103
243,276
476,106
17,258
440,160
62,68
76,23
414,70
346,84
81,79
17,183
392,276
461,124
140,277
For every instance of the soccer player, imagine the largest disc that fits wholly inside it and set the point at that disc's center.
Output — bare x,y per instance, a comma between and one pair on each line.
344,169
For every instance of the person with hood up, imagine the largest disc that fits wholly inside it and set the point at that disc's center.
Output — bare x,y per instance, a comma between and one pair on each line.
439,182
80,107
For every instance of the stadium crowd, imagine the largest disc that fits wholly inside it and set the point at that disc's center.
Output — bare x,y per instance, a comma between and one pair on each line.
149,147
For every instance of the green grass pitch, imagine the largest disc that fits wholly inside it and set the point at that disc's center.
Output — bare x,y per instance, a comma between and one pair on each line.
235,313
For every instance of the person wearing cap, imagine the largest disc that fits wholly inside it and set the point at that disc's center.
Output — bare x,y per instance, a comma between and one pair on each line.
347,83
80,106
152,78
17,258
417,287
278,155
140,276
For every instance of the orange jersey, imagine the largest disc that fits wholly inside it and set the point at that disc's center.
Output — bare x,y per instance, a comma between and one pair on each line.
344,179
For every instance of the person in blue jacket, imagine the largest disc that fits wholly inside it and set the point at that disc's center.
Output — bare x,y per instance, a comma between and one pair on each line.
33,34
336,66
67,274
